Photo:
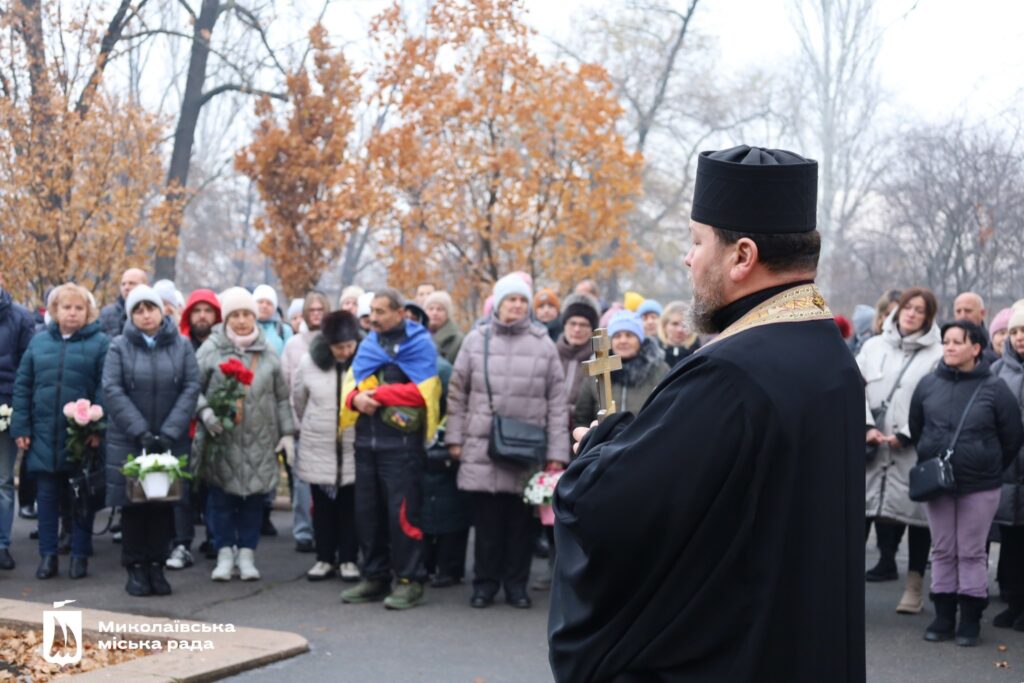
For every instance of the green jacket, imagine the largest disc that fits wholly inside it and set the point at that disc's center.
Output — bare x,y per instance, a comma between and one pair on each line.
448,340
248,464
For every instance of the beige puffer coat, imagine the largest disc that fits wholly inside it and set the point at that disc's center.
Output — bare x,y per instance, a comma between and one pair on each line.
249,464
315,396
887,478
527,384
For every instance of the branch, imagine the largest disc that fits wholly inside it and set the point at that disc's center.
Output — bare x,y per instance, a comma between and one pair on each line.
110,37
254,23
238,87
191,12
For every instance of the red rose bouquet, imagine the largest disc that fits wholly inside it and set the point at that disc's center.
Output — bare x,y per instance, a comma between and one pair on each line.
228,399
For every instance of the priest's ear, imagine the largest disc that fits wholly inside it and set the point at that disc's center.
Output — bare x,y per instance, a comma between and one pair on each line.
745,256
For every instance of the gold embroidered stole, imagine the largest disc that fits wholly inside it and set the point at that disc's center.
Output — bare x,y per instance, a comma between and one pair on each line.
795,305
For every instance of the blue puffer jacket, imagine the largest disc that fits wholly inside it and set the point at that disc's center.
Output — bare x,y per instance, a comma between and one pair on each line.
53,372
16,330
147,390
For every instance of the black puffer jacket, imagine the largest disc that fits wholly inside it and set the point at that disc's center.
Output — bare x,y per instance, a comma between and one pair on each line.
147,390
992,433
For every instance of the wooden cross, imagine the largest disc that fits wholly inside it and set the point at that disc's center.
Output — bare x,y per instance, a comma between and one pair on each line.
601,368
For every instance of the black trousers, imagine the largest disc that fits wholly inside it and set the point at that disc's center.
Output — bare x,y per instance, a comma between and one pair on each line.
389,497
334,525
26,484
146,532
445,554
504,543
1010,573
889,535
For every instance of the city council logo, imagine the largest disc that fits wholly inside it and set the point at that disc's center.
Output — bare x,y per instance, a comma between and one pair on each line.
69,621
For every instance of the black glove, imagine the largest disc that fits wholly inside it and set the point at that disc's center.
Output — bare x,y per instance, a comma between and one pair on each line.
163,444
150,443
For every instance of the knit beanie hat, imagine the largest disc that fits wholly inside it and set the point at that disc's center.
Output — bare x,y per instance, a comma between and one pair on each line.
365,300
351,292
649,306
142,293
509,285
295,307
443,299
1001,322
265,292
546,295
236,299
582,306
626,321
165,290
863,316
632,300
1017,319
340,326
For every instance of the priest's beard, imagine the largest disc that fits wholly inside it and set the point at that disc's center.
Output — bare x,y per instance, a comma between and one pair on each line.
708,299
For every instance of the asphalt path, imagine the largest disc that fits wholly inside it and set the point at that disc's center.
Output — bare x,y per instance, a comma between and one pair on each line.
446,640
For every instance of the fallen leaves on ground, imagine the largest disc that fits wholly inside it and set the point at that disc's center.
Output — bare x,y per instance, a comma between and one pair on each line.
21,657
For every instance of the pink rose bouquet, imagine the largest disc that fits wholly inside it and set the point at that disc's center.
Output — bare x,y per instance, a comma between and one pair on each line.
85,420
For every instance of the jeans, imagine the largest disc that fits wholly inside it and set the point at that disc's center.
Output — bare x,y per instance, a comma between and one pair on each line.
50,489
302,518
235,520
960,526
8,453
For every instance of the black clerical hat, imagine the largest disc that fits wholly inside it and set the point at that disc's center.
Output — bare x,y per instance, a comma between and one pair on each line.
750,189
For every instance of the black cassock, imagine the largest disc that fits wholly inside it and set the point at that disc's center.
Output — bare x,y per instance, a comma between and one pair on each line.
719,534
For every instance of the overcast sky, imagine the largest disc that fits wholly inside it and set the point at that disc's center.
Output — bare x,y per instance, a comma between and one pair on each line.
940,58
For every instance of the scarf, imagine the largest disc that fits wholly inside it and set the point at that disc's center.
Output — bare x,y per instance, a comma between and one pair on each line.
242,341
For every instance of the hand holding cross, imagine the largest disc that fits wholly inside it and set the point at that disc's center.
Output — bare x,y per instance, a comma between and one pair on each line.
601,367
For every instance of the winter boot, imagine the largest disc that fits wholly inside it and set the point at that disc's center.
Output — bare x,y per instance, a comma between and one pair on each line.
246,565
945,618
367,590
911,602
157,579
407,594
225,565
1009,616
970,620
138,581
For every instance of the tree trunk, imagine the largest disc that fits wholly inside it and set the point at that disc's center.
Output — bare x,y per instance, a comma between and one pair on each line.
185,133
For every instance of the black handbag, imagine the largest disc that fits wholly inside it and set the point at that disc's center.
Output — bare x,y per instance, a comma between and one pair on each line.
933,478
871,449
512,442
88,485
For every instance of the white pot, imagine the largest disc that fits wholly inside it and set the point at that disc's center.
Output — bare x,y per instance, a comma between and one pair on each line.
156,484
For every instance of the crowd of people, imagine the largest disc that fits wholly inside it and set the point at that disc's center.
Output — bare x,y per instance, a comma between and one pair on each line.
381,412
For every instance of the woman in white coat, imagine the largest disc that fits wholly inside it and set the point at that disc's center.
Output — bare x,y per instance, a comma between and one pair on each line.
326,459
892,364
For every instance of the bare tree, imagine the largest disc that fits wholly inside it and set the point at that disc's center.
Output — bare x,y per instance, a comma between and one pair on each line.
835,99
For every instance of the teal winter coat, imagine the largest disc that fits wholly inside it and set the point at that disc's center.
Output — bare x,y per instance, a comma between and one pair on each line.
53,372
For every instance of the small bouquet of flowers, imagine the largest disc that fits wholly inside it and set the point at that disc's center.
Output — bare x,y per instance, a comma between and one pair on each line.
540,490
156,472
85,420
226,401
5,416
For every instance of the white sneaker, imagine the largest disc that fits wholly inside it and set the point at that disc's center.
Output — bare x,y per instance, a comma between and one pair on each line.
320,571
349,571
225,565
246,565
179,559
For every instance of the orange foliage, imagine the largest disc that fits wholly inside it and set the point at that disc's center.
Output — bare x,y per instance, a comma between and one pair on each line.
79,173
496,162
315,187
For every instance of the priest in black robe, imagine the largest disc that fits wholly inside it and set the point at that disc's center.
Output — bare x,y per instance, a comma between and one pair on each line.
718,535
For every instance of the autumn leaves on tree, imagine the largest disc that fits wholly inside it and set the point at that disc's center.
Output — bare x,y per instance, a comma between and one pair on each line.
480,159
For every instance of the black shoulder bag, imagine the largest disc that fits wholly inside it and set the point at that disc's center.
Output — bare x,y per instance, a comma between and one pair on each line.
933,478
871,449
512,442
88,485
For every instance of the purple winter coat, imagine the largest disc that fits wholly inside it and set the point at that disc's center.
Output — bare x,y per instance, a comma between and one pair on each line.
527,383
